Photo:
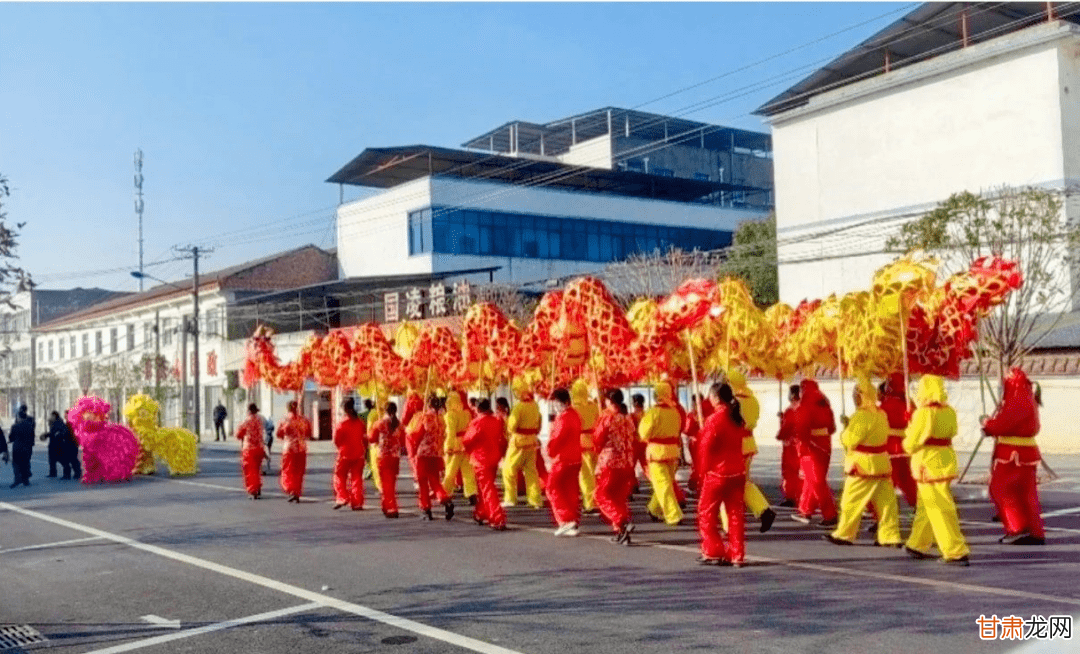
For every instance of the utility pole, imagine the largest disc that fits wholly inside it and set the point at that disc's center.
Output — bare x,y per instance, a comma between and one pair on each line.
157,357
139,210
183,372
194,252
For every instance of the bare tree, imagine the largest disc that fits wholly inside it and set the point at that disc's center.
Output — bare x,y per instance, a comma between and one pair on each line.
1026,225
659,273
510,301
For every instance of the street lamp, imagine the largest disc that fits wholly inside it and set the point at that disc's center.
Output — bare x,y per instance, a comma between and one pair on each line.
194,332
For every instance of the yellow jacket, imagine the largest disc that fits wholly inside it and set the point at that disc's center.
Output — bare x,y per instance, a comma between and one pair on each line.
749,407
928,437
660,428
457,420
589,412
523,425
864,441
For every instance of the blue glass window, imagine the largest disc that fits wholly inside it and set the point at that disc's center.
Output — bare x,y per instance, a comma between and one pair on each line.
472,232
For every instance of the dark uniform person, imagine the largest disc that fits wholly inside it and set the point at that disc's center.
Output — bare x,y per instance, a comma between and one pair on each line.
57,437
71,453
219,421
22,447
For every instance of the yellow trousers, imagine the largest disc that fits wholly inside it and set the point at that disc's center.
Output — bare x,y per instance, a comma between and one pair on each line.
936,520
587,480
857,494
524,461
663,503
372,460
752,495
454,464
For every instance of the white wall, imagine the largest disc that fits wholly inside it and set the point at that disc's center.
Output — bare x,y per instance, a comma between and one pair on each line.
595,152
898,144
373,234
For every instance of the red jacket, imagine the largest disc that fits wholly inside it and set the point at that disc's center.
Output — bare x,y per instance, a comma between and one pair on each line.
719,446
349,438
1016,421
564,443
814,422
787,425
483,439
896,411
414,404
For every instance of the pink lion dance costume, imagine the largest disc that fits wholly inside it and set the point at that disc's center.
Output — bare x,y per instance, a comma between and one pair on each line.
110,450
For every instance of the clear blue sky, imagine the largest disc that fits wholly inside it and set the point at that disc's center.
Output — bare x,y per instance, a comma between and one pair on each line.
243,110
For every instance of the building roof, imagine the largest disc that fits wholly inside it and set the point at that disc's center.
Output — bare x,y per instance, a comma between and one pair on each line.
559,135
930,30
240,277
390,167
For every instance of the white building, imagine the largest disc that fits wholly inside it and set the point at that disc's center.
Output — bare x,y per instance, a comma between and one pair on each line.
952,97
110,348
25,373
547,201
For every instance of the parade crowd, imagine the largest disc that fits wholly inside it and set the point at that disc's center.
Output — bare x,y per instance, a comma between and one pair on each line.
893,446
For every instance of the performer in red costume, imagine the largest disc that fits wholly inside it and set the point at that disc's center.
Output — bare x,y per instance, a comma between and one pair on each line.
722,469
349,466
387,436
483,440
414,405
791,482
894,404
814,426
691,429
613,437
1016,456
295,432
253,451
426,434
564,450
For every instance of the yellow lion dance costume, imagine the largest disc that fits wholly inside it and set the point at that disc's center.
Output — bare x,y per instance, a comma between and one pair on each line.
177,447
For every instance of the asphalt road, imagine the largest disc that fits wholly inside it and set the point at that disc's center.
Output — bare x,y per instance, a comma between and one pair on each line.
92,568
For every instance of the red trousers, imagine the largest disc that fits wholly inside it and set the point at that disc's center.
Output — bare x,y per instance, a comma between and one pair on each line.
293,466
488,508
1015,493
389,467
428,473
816,493
613,488
251,465
349,481
791,483
902,479
564,493
717,490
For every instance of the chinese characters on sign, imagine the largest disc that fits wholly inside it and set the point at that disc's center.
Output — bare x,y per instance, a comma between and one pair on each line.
211,363
440,301
390,307
1014,627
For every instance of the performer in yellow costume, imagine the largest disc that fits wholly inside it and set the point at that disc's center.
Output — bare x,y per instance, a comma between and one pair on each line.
660,431
869,472
523,429
457,420
590,413
751,411
928,439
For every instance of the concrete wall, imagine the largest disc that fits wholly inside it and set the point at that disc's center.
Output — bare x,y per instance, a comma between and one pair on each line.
595,152
881,151
373,234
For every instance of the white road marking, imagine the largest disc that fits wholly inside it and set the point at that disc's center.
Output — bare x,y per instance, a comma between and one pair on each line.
159,621
1051,514
43,546
945,585
241,490
288,589
198,631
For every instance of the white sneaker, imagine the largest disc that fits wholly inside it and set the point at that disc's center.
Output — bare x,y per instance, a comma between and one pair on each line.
572,531
563,530
508,505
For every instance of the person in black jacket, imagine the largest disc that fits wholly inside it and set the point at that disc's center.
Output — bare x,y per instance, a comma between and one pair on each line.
72,456
219,421
22,446
56,437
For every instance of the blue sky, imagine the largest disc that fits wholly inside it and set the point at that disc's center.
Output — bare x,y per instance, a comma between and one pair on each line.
243,110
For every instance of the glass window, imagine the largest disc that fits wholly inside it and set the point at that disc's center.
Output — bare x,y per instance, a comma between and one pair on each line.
71,341
416,232
130,337
605,247
470,240
500,241
50,350
61,346
98,343
86,345
485,239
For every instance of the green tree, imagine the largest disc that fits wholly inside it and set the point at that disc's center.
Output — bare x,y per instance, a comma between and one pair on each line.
752,257
1027,225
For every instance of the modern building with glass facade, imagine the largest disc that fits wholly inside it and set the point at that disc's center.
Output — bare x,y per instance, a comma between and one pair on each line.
547,201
